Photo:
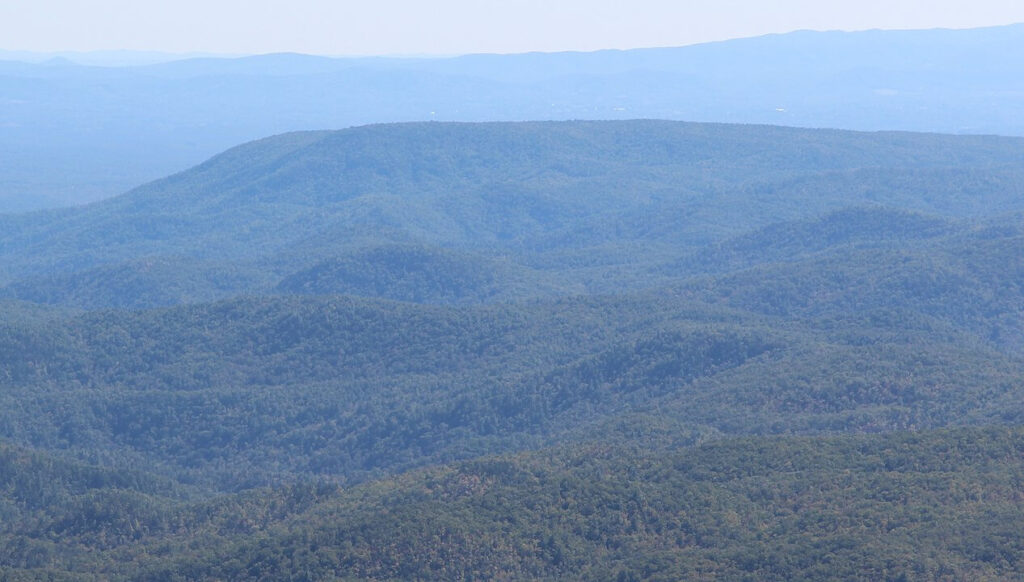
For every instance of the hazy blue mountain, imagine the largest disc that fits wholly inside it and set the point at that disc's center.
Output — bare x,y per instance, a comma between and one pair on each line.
734,279
501,211
109,58
608,350
74,133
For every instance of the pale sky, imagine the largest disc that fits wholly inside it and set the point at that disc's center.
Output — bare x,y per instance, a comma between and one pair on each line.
397,27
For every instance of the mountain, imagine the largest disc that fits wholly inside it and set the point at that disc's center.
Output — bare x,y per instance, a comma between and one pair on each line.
560,207
75,133
548,350
512,286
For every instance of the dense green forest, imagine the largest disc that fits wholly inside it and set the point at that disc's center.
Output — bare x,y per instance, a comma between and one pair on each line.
901,506
577,350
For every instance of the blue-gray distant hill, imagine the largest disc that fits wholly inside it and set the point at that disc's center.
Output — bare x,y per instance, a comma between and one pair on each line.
71,133
483,212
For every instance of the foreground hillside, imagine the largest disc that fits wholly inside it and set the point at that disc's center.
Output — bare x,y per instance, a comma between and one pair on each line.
934,505
591,350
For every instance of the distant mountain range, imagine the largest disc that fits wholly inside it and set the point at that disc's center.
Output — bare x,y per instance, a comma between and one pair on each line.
71,133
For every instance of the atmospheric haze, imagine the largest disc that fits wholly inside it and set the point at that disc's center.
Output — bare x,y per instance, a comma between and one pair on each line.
391,27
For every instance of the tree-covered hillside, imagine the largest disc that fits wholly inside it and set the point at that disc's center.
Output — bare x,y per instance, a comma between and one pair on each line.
913,332
579,350
924,506
536,206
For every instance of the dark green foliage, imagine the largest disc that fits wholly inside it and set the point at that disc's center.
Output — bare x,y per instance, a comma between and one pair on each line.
340,385
930,505
851,508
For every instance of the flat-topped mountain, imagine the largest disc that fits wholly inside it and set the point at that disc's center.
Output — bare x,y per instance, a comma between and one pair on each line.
609,350
539,203
519,282
73,134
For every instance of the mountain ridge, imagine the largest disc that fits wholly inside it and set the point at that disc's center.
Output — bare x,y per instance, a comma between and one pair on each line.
614,350
72,134
539,198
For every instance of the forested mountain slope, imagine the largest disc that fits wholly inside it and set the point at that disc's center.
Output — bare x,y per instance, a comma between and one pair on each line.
849,338
593,350
530,205
932,505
